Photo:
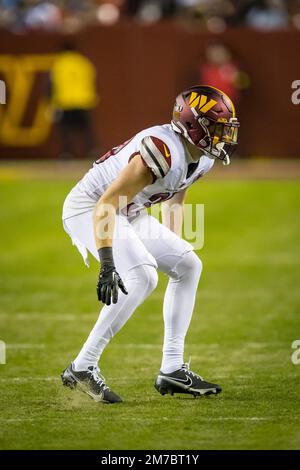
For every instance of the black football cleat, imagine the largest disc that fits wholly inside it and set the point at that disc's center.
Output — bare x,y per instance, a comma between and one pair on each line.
89,381
184,381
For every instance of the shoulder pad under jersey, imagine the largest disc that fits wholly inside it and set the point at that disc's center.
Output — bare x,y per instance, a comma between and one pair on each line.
156,154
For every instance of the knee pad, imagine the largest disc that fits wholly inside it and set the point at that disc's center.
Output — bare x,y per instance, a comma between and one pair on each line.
150,277
144,275
188,266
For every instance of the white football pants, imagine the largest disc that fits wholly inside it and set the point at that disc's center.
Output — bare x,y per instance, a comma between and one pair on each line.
140,248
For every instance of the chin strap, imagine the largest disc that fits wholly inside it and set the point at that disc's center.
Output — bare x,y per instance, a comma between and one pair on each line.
226,160
180,129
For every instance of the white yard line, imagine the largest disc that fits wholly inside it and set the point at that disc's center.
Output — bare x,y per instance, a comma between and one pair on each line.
29,379
52,316
143,420
158,346
25,346
147,373
24,380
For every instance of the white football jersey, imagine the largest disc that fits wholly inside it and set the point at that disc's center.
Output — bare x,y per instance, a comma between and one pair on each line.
162,150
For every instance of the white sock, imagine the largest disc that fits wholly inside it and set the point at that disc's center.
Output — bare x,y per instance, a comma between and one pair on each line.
139,282
178,309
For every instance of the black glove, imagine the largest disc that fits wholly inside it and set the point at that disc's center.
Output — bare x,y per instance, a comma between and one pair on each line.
109,280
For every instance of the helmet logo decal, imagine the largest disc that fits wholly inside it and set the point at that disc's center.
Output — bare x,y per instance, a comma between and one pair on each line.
200,101
167,151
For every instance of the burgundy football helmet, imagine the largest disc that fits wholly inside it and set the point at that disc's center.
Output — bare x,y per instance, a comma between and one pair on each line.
205,116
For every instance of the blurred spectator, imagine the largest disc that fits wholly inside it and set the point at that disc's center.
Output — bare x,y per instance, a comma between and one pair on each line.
267,15
219,70
294,12
44,15
109,12
151,11
11,14
212,15
73,93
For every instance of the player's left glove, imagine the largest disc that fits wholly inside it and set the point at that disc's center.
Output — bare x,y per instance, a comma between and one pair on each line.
108,284
109,281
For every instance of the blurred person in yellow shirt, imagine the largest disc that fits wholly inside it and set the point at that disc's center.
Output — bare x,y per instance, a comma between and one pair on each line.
73,96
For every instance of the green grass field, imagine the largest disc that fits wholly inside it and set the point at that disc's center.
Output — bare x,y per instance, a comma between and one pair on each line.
246,317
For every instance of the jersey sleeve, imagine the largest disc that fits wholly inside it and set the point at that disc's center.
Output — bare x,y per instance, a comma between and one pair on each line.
156,155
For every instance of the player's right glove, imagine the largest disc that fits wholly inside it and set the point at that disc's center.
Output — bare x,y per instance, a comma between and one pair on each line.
109,281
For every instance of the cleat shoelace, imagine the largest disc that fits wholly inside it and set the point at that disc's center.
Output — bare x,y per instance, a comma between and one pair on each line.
98,378
186,367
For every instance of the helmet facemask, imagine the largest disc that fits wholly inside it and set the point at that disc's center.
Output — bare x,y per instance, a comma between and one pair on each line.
220,138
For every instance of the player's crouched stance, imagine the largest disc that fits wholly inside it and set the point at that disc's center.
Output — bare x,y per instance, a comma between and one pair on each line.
104,214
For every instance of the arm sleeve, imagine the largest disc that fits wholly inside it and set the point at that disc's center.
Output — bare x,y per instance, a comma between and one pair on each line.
156,155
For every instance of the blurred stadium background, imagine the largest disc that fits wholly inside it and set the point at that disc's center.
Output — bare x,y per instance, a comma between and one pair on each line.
142,53
81,77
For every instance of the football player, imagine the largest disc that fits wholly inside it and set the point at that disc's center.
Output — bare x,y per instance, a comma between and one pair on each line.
156,166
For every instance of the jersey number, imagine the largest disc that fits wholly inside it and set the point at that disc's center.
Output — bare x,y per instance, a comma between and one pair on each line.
112,152
160,197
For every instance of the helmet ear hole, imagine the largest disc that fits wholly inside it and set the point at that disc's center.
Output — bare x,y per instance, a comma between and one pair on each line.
189,125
